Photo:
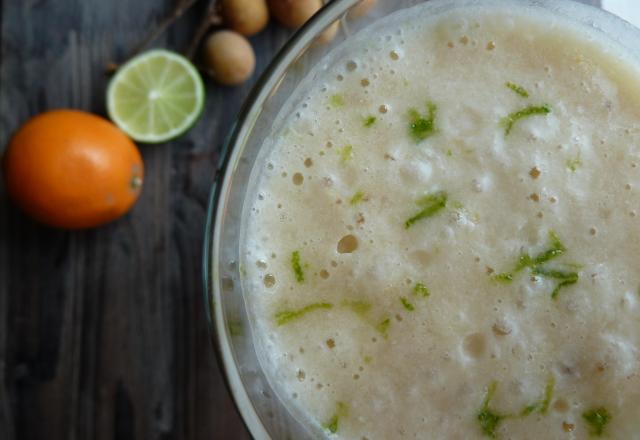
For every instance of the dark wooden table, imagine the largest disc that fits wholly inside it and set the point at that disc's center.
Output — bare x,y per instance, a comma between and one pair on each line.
102,332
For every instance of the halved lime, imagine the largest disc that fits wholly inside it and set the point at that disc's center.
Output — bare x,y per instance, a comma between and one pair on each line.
156,96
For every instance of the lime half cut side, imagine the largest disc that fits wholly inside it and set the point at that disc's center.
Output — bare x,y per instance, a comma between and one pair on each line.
156,96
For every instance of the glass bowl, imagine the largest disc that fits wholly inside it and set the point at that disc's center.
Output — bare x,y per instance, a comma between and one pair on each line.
264,414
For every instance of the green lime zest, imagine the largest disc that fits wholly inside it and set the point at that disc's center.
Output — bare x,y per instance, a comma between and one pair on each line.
509,121
489,419
565,278
336,100
555,249
505,277
422,126
421,289
574,164
431,204
597,419
517,89
543,405
357,198
369,121
286,316
235,328
357,306
296,265
332,424
345,153
407,305
383,327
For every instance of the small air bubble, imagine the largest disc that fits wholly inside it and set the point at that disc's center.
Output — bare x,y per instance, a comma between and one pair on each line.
284,174
364,82
394,55
269,166
269,280
324,274
351,66
334,263
339,77
308,162
347,244
261,264
475,344
298,178
383,109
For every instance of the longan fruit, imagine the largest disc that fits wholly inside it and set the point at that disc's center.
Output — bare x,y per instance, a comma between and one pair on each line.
229,57
294,13
247,17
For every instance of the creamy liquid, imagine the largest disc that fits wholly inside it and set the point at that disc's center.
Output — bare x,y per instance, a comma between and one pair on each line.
411,320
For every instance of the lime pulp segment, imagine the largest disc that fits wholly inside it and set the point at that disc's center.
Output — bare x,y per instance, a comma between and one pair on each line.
156,96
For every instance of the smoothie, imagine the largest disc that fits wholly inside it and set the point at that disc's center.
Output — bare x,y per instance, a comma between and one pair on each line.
442,237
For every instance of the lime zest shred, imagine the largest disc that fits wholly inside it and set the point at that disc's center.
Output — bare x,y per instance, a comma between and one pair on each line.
574,164
235,328
509,121
517,89
535,265
431,204
541,406
336,100
286,316
296,265
332,424
422,126
357,306
407,305
357,198
383,327
489,419
369,121
565,278
421,289
597,419
345,153
504,277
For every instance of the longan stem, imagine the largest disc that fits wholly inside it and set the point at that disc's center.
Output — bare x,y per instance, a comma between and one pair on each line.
212,18
181,7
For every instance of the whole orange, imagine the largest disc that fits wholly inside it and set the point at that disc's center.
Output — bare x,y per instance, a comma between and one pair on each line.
71,169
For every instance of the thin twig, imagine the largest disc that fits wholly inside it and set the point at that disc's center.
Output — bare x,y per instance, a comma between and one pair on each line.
212,18
181,7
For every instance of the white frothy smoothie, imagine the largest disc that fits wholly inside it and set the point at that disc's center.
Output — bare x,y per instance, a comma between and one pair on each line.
443,240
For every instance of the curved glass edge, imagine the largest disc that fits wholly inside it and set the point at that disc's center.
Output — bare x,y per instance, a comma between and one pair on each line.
231,151
233,147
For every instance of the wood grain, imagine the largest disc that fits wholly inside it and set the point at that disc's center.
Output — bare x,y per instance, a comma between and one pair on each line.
102,332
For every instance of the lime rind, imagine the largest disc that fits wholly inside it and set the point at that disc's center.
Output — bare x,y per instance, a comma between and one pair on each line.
156,96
